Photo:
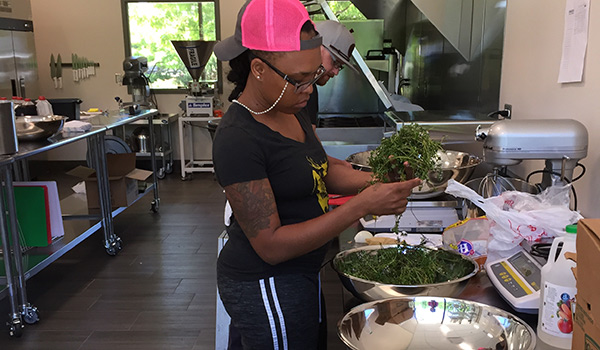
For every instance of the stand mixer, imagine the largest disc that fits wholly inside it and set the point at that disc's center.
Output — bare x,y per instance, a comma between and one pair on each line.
560,142
137,83
195,55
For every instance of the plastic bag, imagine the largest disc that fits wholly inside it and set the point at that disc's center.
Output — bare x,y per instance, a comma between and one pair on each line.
515,216
468,237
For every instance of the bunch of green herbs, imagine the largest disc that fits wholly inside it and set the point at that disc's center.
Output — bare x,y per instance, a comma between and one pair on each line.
405,265
411,144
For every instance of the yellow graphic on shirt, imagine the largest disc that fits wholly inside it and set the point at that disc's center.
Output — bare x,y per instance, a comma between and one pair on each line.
319,172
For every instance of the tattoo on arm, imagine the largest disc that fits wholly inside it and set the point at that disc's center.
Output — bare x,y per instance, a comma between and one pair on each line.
253,204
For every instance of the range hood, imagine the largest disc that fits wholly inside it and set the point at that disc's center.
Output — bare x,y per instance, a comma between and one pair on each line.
451,51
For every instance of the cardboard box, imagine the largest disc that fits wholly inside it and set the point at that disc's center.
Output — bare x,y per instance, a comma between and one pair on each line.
123,177
586,332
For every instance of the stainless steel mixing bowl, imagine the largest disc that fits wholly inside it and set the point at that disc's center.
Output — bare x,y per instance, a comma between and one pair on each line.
31,128
428,323
454,164
372,290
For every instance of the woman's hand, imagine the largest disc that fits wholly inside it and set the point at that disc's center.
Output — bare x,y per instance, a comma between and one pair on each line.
387,198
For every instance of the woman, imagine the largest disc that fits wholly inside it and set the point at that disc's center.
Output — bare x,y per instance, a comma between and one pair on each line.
276,177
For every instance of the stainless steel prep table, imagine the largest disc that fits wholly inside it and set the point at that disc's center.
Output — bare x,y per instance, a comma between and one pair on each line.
79,224
479,289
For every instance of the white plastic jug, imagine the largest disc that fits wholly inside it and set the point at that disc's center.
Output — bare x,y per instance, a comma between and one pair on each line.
557,295
44,107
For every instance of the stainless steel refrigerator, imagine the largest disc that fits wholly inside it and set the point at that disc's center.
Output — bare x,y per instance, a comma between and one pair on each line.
18,64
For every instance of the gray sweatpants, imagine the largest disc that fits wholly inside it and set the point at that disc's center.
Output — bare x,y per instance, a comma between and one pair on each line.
280,313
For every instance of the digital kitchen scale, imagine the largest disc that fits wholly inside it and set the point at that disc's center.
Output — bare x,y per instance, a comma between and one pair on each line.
517,279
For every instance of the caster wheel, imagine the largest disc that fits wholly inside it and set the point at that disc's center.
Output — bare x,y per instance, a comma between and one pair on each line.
30,315
16,329
169,168
154,206
161,173
186,177
113,249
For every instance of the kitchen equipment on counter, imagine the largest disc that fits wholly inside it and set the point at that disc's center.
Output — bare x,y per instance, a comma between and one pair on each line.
517,279
455,165
137,83
371,290
427,211
560,142
433,323
502,183
70,107
195,54
32,128
8,134
198,105
414,219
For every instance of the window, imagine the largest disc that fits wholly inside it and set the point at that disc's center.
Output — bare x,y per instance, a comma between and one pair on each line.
343,10
151,25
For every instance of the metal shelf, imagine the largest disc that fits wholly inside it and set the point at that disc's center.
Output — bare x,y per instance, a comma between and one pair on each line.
158,154
79,223
163,121
76,231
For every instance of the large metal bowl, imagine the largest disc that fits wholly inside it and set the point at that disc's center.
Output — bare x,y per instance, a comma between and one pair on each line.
427,323
31,128
371,290
455,165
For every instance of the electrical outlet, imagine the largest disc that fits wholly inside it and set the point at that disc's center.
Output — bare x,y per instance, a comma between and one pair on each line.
508,107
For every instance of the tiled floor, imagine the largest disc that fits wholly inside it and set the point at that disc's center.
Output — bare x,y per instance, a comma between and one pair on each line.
157,293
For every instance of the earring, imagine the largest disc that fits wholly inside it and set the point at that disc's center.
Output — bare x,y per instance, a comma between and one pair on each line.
258,77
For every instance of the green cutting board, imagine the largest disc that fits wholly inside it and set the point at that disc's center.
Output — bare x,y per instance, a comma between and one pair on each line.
33,214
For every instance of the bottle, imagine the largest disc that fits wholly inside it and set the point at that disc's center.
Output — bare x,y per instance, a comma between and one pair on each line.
557,294
44,107
17,101
27,107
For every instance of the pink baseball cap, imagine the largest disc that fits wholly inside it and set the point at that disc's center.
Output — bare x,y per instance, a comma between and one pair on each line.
267,25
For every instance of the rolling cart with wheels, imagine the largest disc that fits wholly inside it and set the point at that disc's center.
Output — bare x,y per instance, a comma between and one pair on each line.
164,142
79,224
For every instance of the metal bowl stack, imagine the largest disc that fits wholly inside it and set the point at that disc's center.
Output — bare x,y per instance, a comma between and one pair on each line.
374,290
434,324
455,165
32,128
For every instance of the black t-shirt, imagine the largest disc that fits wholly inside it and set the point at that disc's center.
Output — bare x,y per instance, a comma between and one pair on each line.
246,150
312,106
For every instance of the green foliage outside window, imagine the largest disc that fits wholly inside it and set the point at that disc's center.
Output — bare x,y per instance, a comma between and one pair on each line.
152,26
344,10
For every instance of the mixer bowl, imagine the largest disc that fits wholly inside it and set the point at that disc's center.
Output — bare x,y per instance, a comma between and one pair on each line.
455,165
433,323
32,128
372,290
502,184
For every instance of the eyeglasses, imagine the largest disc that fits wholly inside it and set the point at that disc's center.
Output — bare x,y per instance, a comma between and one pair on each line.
299,87
336,64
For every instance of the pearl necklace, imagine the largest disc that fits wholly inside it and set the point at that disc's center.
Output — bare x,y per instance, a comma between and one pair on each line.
268,109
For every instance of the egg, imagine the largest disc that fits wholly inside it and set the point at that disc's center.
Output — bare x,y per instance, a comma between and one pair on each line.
361,236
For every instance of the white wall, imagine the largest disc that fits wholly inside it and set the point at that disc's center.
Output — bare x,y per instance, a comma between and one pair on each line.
532,52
